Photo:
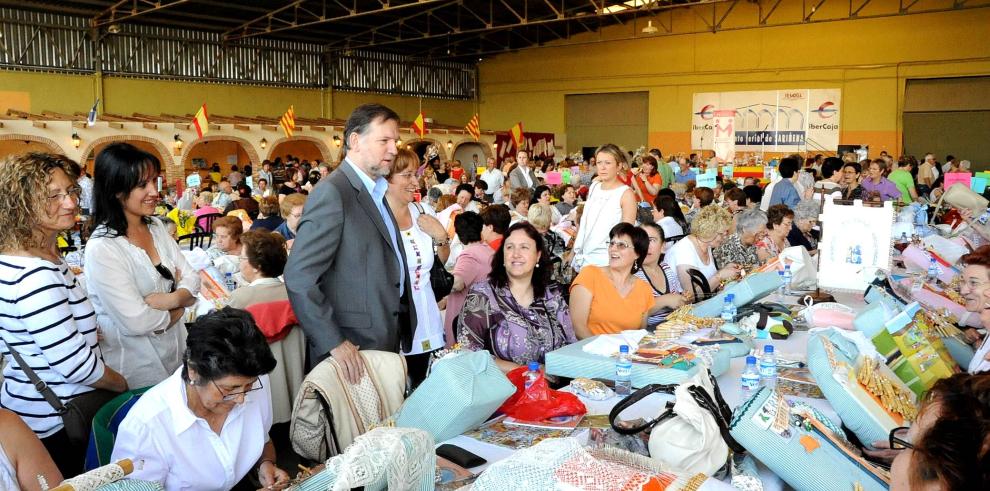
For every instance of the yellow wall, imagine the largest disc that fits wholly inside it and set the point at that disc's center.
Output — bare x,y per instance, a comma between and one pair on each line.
868,59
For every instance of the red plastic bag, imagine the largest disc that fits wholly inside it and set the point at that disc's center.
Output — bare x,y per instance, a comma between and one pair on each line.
539,402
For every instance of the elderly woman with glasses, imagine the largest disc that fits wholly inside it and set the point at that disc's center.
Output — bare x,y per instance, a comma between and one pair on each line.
803,233
206,426
610,299
975,289
780,219
694,252
740,247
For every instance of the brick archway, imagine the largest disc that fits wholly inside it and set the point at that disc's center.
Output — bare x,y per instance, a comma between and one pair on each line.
54,147
320,145
486,150
248,148
172,170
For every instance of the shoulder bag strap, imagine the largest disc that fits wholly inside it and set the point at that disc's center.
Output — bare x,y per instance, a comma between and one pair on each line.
39,384
633,399
704,400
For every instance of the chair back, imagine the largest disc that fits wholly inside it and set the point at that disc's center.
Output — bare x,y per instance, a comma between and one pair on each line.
198,239
699,285
207,220
105,425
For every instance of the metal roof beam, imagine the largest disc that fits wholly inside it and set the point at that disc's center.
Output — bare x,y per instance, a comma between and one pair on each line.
138,7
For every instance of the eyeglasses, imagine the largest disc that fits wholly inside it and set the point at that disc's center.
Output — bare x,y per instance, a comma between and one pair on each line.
406,175
231,396
75,192
896,442
243,258
619,244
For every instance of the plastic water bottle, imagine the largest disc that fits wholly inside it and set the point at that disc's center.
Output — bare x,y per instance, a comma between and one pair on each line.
768,367
933,270
787,279
623,372
782,289
532,373
228,281
750,378
729,309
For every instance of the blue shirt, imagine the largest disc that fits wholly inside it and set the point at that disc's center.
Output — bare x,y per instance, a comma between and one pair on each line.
377,190
684,178
785,193
284,231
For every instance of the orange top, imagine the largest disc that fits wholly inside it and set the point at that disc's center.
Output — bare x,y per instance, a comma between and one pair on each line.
610,312
655,179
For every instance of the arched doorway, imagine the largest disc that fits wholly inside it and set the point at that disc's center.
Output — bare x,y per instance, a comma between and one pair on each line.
150,145
302,148
465,151
419,147
18,144
223,150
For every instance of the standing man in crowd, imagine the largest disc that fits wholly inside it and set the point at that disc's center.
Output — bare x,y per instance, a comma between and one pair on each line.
353,294
686,174
522,176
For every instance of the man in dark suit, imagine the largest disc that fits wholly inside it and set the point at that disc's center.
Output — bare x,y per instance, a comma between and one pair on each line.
346,277
522,176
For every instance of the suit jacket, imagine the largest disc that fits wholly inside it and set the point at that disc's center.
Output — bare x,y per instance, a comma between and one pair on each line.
342,276
516,179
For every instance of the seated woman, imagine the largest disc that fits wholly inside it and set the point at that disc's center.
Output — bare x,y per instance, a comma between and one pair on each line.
975,289
667,213
244,202
137,277
541,195
227,237
541,216
803,232
609,299
47,317
292,210
206,426
517,315
780,218
203,205
740,247
268,215
667,295
694,252
472,265
948,446
262,259
23,459
519,204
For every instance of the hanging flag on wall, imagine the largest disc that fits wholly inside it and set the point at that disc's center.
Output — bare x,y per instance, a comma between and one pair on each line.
419,125
91,119
516,133
474,128
202,122
288,121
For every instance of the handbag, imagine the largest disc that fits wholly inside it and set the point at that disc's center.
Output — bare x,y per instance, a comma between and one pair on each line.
692,434
77,415
441,281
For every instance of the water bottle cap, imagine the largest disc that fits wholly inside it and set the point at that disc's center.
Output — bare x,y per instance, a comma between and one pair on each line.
768,348
751,360
624,348
227,274
730,297
787,267
534,366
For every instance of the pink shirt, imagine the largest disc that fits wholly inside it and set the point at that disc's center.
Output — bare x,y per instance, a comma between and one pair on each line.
473,265
206,210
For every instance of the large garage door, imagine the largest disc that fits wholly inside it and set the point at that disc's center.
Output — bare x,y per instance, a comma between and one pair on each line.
620,118
948,116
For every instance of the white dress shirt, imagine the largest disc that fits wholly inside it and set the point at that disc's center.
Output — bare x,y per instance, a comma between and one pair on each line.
178,448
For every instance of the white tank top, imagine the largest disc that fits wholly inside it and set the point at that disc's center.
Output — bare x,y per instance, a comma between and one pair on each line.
602,211
8,476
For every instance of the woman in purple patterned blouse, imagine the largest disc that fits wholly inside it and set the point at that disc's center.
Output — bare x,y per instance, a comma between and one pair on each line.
517,315
876,187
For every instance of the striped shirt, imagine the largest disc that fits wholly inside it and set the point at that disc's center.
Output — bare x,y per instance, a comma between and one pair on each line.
673,286
46,316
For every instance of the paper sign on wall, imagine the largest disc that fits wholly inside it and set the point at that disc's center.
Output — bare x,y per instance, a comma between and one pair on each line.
963,178
553,178
193,180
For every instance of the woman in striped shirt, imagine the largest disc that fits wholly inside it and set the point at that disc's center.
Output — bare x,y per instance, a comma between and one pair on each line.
666,289
44,313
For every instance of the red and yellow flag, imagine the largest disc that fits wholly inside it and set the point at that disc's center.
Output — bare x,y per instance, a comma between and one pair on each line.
288,121
202,122
517,135
474,128
419,125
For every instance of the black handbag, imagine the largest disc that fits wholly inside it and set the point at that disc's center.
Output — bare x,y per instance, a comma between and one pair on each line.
77,415
441,280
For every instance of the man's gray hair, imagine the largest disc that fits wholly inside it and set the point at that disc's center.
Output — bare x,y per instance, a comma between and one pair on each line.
750,220
806,209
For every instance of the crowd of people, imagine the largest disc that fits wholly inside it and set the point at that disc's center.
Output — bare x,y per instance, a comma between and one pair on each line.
355,248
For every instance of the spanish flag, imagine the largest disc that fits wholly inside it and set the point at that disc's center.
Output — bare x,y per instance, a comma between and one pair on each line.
202,122
419,125
474,128
288,121
517,135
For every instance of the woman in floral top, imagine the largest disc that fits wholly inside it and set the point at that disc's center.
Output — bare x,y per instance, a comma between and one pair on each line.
780,218
516,315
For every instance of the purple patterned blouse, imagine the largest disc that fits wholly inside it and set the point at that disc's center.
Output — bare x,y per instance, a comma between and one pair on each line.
492,320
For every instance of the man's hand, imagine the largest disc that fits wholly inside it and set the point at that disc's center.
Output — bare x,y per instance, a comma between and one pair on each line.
349,360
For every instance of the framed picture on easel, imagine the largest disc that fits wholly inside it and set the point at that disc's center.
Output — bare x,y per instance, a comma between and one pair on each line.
856,242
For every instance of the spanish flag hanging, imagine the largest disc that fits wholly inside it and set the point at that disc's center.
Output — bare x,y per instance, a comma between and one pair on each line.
517,135
202,122
288,121
419,125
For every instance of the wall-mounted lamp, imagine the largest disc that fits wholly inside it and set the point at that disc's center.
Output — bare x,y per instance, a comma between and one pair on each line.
337,141
495,147
76,141
264,143
177,142
450,145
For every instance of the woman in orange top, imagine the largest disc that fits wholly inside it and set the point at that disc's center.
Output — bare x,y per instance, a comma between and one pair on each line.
648,181
609,299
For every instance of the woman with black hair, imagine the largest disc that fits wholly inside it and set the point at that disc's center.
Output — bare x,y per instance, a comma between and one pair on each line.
138,279
517,315
206,426
667,213
542,195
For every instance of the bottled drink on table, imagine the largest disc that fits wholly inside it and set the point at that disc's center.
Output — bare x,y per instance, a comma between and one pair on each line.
729,309
228,282
750,378
623,372
933,271
787,279
768,367
782,289
532,373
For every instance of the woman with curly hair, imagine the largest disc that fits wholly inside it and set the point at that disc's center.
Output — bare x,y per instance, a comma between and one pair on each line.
710,228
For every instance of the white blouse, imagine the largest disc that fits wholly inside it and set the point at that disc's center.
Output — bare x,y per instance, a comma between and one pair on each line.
138,341
419,259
